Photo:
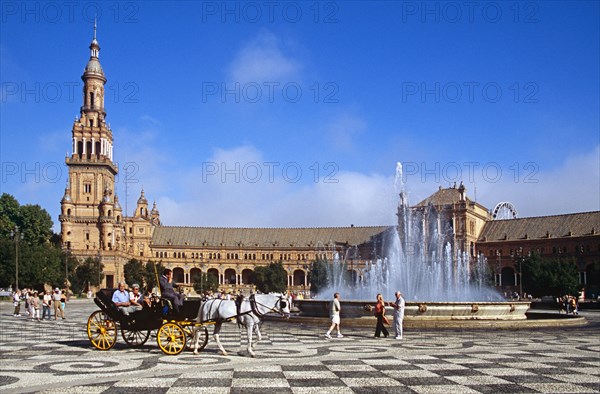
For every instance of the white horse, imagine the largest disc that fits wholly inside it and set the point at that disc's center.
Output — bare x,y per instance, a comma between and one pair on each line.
250,313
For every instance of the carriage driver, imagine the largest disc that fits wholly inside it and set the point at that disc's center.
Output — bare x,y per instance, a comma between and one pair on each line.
168,292
121,299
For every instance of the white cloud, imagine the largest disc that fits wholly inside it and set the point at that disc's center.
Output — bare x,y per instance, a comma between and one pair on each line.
344,130
572,186
236,188
263,59
239,188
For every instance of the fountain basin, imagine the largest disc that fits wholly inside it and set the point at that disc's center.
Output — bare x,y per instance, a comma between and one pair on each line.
423,311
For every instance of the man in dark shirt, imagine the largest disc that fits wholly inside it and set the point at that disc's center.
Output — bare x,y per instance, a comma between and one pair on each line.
167,291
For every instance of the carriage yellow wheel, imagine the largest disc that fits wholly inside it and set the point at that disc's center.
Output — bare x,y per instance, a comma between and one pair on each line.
189,328
102,331
171,338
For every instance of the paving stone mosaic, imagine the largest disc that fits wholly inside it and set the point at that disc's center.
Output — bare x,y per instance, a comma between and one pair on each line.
56,357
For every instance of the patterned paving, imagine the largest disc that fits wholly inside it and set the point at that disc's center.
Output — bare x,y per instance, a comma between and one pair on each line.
56,357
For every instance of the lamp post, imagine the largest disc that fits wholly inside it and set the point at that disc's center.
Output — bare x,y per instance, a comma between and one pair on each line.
98,255
520,257
17,235
499,270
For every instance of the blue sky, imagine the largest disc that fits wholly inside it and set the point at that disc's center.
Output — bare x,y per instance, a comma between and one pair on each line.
295,113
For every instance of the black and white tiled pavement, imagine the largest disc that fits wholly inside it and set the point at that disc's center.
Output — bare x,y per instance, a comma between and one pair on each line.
56,357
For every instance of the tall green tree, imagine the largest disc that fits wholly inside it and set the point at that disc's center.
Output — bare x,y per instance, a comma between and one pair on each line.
88,272
10,215
317,275
134,272
205,282
549,277
27,228
150,274
271,278
35,224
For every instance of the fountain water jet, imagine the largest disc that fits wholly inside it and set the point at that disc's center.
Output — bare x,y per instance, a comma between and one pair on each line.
421,258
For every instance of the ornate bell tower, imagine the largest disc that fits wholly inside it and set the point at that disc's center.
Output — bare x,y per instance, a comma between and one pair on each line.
91,218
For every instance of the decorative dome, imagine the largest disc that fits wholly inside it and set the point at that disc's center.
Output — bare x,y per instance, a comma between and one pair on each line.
142,199
154,209
117,205
94,66
67,196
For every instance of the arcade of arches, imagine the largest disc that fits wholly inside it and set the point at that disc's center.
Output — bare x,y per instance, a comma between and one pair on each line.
233,279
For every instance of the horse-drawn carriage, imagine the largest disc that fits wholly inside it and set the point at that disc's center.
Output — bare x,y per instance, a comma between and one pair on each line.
176,331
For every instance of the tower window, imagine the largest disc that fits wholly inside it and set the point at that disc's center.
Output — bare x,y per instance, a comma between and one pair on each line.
87,188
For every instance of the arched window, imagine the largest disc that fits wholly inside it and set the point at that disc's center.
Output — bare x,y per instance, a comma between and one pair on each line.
247,276
230,276
80,149
508,276
178,275
298,278
195,274
214,273
88,149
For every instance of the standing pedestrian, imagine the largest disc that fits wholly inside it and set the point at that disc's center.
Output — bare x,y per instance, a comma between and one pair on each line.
17,303
46,303
63,300
334,313
399,306
35,306
57,304
380,315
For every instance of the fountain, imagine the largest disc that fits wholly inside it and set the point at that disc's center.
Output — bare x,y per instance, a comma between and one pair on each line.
418,257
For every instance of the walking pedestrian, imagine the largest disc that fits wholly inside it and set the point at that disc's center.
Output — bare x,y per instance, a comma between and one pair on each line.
334,313
380,315
399,306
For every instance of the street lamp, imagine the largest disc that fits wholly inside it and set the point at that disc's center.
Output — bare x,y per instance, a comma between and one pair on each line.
520,256
17,235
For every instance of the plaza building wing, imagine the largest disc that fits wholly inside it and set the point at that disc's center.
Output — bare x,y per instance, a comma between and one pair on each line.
232,254
580,224
573,237
284,238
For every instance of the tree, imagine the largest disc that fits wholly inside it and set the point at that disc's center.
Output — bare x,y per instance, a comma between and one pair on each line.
89,272
10,215
271,278
205,282
35,224
151,273
549,277
317,275
39,259
134,272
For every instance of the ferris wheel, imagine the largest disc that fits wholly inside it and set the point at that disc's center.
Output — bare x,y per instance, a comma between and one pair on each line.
504,210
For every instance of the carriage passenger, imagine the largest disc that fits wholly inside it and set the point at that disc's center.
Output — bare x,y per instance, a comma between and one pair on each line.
121,300
136,298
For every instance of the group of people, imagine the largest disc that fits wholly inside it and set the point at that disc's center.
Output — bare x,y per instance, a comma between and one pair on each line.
379,310
132,301
43,301
569,304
